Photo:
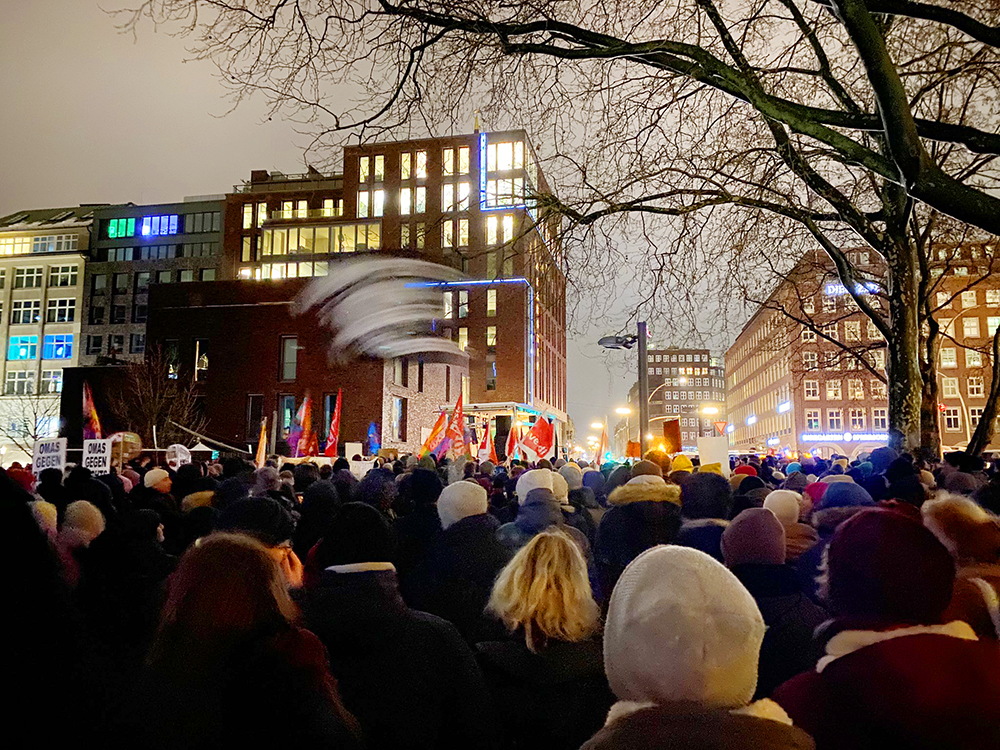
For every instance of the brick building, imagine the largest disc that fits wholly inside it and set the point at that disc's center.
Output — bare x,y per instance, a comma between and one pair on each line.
133,249
464,201
254,358
685,384
807,371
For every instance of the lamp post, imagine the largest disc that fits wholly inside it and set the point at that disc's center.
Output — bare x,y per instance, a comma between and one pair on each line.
627,342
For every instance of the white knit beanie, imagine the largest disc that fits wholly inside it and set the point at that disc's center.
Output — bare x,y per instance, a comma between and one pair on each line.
681,627
532,480
461,500
785,505
573,476
82,523
154,477
560,487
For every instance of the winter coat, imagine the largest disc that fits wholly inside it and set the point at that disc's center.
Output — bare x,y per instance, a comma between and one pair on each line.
456,580
642,515
535,516
791,618
415,533
277,691
703,534
685,727
916,688
175,536
584,501
553,700
408,676
976,599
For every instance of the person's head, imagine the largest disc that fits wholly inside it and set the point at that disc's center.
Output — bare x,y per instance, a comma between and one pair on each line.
266,479
544,591
682,629
969,532
544,464
884,566
305,474
141,526
573,475
82,523
646,468
377,489
461,500
46,515
270,524
560,488
785,504
357,534
706,496
754,537
157,480
50,476
341,463
420,487
532,480
226,589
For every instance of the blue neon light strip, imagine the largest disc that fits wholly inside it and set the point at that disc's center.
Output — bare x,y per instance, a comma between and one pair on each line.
531,315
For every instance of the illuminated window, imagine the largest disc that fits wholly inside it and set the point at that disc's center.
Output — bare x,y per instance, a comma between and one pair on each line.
379,167
491,372
880,418
15,245
378,202
261,213
463,196
491,303
448,161
949,356
808,306
155,226
810,360
362,203
857,417
852,330
421,233
833,390
58,346
835,420
302,209
492,226
463,304
856,390
399,419
447,234
52,381
60,311
405,200
448,197
404,235
830,331
463,232
505,156
447,297
813,419
949,387
420,202
22,347
808,334
364,169
463,338
332,208
993,297
829,304
878,390
508,227
969,298
970,327
463,160
421,165
121,228
404,166
491,337
973,358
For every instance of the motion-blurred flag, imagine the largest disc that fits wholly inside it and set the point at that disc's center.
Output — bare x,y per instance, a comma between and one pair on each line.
261,457
513,442
487,450
333,437
374,441
436,438
456,431
91,424
602,445
300,438
539,440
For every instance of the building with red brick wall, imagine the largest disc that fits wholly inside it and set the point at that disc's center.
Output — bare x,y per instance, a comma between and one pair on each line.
464,201
255,358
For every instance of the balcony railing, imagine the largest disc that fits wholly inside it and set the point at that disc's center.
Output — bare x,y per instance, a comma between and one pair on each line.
312,213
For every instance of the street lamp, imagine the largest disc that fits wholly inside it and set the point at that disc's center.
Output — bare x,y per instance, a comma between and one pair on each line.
710,410
627,342
623,410
596,425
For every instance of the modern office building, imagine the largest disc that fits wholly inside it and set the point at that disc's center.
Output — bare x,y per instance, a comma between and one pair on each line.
684,384
253,357
807,373
43,255
134,248
464,201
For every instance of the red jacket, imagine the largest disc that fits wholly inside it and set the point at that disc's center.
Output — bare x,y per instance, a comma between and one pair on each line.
915,691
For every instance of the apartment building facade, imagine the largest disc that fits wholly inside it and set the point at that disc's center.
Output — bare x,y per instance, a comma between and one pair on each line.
43,256
136,247
808,371
465,201
684,384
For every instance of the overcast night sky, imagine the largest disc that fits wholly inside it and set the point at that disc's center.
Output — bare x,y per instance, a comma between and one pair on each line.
91,115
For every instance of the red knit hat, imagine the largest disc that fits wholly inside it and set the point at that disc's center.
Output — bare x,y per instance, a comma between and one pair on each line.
748,470
887,566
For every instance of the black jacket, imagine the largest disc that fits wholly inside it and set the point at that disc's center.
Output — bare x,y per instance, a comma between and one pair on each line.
415,534
457,578
407,676
553,700
791,618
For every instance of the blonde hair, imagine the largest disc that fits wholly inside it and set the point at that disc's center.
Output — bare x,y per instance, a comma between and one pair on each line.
545,590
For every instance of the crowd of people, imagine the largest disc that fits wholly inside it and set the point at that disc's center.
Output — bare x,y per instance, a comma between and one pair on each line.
780,604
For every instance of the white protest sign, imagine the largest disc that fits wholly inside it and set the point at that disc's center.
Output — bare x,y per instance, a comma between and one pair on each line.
714,450
360,468
353,449
48,454
177,456
97,456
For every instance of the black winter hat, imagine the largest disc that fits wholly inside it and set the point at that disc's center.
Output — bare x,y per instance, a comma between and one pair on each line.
358,534
259,517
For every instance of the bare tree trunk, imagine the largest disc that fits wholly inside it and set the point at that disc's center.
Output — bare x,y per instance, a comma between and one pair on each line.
906,382
983,435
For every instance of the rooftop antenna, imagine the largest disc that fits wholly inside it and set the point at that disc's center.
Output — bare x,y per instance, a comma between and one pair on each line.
475,121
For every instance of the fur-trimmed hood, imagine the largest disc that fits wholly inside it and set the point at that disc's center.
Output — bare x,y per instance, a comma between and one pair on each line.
645,492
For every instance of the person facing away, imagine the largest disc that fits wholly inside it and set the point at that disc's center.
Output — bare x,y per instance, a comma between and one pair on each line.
538,509
753,546
681,645
706,501
408,676
893,673
229,667
548,681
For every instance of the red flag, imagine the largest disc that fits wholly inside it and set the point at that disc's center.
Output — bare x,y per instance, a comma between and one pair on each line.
513,441
91,424
436,437
334,435
300,434
540,439
602,445
487,450
456,430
